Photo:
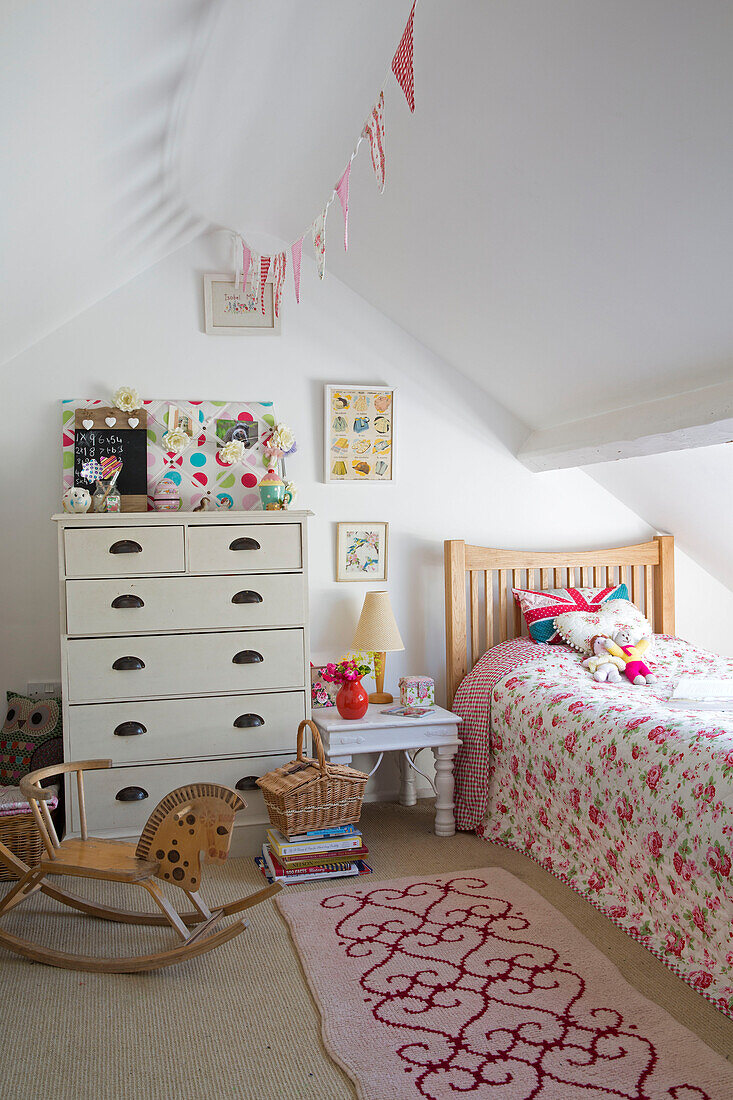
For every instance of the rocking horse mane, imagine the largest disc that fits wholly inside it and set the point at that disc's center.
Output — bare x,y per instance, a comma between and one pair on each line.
189,820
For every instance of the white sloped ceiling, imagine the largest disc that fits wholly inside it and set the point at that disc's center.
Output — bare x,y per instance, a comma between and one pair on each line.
558,218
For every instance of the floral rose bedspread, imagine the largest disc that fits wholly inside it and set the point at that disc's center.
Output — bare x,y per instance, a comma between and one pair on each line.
627,799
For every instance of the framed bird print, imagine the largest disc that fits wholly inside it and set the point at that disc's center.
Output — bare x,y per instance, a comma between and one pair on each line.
361,551
359,433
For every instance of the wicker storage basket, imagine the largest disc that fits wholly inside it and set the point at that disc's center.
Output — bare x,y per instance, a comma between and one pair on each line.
312,794
18,832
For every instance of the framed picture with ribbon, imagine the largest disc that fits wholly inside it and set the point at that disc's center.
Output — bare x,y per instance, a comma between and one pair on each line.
359,433
229,311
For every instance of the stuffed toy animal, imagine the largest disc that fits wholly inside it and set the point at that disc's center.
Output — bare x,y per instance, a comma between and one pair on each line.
630,644
602,665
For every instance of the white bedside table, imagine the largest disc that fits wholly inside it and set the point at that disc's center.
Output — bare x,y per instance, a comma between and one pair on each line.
378,732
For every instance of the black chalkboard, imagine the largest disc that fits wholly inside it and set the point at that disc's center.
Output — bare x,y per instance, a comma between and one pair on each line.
130,445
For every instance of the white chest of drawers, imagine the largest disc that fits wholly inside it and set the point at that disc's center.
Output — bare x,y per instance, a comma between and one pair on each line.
184,652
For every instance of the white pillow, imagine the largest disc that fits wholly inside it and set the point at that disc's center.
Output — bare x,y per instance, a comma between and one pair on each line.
578,627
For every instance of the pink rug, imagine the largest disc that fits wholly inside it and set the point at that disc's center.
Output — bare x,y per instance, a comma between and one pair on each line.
471,984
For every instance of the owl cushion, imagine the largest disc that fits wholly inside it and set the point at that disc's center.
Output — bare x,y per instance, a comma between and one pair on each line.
30,737
578,627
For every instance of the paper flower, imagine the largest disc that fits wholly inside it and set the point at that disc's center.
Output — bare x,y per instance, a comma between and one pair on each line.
176,440
127,399
281,442
231,452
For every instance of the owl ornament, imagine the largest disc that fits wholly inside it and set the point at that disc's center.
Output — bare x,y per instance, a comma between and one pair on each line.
30,738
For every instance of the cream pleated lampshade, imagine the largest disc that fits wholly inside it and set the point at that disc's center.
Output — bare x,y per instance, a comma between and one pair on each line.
376,631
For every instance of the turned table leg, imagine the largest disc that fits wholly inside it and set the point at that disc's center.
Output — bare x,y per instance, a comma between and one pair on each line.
408,794
445,824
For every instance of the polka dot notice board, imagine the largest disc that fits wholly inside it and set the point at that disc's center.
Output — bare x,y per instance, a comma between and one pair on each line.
199,469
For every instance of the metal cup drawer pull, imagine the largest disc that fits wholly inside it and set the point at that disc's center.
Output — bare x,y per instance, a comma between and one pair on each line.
244,544
247,783
247,657
131,794
246,597
129,664
130,729
126,546
128,600
246,720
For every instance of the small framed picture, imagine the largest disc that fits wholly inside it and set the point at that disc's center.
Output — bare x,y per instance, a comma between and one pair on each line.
361,551
323,693
359,433
232,312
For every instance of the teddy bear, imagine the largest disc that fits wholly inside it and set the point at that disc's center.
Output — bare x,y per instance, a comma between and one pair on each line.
601,664
631,643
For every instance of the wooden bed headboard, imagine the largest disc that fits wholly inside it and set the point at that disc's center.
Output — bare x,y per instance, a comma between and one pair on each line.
480,609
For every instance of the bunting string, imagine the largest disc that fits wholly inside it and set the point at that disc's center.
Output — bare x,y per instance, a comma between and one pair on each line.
251,269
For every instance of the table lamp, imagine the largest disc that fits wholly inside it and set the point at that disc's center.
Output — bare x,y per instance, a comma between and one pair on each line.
376,632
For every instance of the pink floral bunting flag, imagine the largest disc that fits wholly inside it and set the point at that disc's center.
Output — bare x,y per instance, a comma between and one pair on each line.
319,241
342,190
297,254
253,294
264,269
402,62
374,132
278,278
246,257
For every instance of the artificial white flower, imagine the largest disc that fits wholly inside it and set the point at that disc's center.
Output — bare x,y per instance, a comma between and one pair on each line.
283,438
233,451
127,399
176,440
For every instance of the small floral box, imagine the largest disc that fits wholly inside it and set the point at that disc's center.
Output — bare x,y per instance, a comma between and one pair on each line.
417,691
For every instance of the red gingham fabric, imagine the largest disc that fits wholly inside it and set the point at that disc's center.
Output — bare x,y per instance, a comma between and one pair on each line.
264,269
297,254
473,703
402,62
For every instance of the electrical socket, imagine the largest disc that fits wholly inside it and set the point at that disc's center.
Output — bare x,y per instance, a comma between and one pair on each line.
48,689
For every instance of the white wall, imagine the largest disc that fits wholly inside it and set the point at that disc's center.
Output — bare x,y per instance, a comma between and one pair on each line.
456,477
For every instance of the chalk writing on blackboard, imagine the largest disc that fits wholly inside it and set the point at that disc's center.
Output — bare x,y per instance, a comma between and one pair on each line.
130,446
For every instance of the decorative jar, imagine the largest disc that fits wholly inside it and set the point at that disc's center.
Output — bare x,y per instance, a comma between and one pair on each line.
417,691
352,700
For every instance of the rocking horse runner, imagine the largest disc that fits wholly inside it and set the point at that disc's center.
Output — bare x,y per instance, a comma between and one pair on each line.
186,822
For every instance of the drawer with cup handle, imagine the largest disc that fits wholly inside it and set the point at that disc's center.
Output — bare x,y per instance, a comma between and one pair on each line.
107,551
244,547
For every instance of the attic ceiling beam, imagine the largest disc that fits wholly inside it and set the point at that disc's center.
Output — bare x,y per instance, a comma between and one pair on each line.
698,418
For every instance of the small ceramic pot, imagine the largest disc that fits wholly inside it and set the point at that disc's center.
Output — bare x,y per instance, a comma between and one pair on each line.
272,491
352,700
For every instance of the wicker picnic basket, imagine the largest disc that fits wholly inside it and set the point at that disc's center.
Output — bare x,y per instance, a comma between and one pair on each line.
312,794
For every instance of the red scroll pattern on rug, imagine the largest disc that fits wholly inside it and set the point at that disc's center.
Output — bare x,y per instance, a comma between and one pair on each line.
483,1010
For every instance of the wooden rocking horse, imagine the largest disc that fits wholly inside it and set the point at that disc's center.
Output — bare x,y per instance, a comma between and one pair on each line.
186,822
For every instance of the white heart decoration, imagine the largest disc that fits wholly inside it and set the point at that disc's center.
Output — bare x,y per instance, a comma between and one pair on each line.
133,421
110,421
88,424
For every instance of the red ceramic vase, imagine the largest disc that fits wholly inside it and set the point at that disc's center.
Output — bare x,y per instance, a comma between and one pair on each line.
352,700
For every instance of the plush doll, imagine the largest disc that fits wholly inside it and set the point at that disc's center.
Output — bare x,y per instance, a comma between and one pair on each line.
631,644
602,665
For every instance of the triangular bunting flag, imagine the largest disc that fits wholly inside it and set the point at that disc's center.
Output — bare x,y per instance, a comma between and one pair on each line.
278,278
246,257
297,253
402,62
319,241
342,190
253,294
238,245
374,131
264,268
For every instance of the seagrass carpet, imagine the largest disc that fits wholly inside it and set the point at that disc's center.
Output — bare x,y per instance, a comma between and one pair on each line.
241,1023
470,983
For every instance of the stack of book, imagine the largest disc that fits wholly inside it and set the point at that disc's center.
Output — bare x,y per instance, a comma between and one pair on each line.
323,853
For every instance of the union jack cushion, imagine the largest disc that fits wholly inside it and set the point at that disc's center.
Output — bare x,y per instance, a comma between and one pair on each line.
540,608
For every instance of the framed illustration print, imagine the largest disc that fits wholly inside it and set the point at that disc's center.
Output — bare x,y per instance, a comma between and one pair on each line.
359,433
361,551
232,312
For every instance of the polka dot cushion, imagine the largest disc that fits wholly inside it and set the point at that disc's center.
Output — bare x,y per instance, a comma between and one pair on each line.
541,608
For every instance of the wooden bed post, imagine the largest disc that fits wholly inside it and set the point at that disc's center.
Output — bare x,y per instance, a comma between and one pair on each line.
456,647
664,586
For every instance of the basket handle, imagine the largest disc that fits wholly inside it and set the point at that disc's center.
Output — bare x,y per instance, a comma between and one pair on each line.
316,741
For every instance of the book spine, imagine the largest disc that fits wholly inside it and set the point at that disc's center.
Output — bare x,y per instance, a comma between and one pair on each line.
306,848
